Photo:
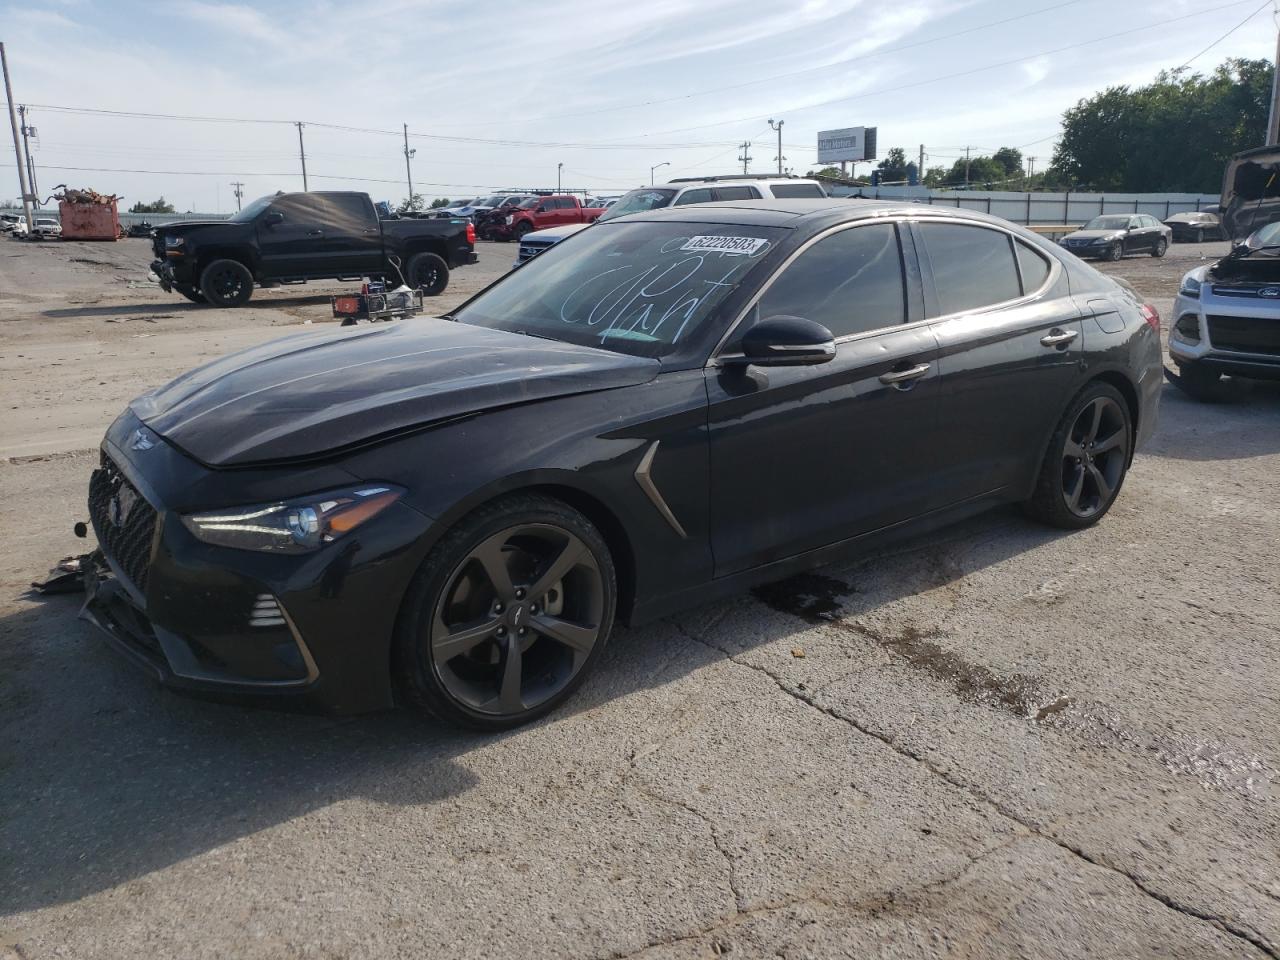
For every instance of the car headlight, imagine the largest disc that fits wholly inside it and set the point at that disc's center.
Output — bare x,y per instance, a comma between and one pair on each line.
172,243
1103,239
510,220
1190,287
293,526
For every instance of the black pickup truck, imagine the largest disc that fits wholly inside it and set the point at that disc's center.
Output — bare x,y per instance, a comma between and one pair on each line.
295,237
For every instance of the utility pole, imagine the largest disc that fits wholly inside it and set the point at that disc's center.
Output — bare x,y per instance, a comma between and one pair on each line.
302,153
745,157
26,148
27,196
780,157
966,168
1273,119
408,155
920,165
559,167
239,191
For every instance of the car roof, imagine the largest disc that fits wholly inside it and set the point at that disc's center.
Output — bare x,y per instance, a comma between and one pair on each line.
801,213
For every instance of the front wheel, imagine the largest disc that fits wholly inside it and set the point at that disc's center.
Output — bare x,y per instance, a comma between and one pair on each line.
1087,460
428,272
1161,248
507,615
1114,252
522,229
226,283
1199,238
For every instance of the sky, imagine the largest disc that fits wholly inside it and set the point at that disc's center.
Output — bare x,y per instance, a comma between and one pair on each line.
500,94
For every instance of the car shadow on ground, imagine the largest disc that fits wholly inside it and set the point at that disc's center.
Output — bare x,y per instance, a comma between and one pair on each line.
181,305
1246,425
111,778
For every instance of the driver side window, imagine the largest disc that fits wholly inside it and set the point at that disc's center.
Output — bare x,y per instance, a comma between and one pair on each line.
850,282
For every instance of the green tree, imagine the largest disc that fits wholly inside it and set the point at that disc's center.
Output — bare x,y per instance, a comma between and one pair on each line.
1175,134
893,168
412,204
439,202
1009,160
934,177
155,206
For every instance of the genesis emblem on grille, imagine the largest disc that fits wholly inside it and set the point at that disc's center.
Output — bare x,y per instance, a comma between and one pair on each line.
143,439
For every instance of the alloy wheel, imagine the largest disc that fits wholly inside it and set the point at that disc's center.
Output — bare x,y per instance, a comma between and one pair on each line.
227,284
517,619
1094,457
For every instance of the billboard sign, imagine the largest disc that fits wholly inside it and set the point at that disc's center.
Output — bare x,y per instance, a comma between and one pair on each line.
847,143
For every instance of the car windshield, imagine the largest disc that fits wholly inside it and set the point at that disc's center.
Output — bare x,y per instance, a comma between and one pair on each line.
45,221
1107,223
1267,238
530,203
637,201
252,210
637,288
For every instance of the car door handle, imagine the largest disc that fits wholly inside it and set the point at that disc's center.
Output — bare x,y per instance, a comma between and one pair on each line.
1058,338
315,233
903,376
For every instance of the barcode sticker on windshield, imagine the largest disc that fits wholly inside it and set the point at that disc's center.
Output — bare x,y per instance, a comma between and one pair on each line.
708,244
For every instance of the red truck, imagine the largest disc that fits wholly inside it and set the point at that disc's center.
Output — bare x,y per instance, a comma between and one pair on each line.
538,213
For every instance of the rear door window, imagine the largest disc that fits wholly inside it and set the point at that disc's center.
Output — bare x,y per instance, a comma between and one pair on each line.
350,211
737,193
972,266
1034,267
850,282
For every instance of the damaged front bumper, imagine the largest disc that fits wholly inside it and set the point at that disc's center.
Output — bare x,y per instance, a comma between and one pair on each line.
163,271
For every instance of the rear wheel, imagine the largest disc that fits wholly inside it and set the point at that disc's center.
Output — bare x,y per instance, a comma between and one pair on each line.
428,272
508,614
1199,238
1087,460
226,283
1162,247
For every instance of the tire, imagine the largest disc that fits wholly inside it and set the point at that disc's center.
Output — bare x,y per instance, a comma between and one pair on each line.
429,272
523,228
1114,252
1200,384
1162,247
191,293
1086,461
1199,238
226,283
455,635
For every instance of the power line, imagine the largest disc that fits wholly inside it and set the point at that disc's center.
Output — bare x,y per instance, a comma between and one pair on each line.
1225,35
960,73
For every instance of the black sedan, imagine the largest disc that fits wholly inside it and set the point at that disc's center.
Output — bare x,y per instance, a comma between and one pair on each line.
1111,236
661,410
1193,227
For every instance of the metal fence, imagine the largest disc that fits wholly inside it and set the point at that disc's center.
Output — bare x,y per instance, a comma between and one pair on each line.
1040,208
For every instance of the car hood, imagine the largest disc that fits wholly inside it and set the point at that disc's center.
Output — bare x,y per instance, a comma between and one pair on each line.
310,395
556,233
1095,235
184,227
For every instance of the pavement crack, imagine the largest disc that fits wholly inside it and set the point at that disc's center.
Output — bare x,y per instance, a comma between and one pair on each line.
1226,925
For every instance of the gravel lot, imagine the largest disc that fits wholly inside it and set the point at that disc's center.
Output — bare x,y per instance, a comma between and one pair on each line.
1003,741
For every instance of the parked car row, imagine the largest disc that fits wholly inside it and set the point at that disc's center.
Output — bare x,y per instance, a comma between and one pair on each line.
15,224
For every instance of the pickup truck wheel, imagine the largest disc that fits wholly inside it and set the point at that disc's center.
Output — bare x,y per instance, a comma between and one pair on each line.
428,272
191,293
522,229
226,283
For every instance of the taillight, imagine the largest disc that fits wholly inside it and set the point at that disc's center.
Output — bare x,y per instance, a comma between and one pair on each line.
1152,316
471,238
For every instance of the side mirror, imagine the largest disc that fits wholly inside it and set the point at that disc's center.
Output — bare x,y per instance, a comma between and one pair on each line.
784,341
272,218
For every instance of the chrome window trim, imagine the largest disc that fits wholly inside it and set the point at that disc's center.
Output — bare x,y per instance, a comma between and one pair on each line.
1055,271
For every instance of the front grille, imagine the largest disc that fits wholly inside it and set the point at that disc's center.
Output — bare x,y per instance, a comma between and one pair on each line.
1245,334
123,520
531,248
1251,293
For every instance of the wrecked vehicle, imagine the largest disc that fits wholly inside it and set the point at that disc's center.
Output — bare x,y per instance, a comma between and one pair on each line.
453,512
296,237
1226,316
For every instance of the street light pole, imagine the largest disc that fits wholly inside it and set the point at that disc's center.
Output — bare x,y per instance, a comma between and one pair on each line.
559,167
664,163
778,127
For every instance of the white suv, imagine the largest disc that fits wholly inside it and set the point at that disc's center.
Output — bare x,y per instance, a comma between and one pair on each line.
47,227
677,193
